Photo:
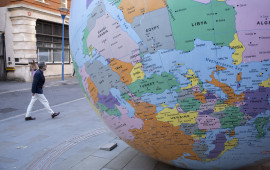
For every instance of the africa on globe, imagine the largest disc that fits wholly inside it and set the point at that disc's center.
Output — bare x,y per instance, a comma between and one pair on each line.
186,82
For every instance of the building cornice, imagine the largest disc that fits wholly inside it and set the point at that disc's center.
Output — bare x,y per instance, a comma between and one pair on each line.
33,9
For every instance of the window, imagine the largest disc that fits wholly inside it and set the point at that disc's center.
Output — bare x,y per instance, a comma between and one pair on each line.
63,3
49,42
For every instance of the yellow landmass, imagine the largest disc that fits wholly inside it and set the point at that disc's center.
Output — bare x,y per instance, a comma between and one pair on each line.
169,115
133,8
137,73
164,105
220,107
192,78
175,118
197,137
265,83
239,49
189,117
90,49
228,146
204,91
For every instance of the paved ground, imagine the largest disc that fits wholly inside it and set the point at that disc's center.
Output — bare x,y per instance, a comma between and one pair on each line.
70,141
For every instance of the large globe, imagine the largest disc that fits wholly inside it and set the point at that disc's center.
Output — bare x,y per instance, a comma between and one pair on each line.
186,82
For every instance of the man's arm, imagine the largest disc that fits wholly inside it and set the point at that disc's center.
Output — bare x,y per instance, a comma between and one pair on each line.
34,84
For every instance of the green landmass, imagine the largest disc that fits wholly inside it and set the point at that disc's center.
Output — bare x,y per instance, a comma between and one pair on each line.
125,96
200,84
116,2
220,102
85,35
189,104
190,20
233,118
260,122
109,111
156,84
199,132
178,90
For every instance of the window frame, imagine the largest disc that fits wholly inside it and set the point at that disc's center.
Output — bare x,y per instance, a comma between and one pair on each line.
51,40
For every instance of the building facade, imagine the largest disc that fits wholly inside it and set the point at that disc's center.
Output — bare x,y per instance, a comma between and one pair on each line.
32,30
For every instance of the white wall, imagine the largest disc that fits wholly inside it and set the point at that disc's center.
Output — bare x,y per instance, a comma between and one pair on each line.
9,41
19,28
2,18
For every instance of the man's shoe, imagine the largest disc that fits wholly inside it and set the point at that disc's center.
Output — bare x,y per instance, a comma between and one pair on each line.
30,118
55,114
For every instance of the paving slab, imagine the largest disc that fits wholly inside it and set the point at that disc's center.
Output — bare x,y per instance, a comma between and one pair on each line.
122,159
91,163
142,162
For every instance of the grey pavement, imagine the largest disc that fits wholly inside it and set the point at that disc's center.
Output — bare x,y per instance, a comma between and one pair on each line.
70,141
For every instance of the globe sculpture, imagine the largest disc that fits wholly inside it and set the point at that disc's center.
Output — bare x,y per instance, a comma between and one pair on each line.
186,82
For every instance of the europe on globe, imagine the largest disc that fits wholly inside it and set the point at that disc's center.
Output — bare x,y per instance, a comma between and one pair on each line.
186,82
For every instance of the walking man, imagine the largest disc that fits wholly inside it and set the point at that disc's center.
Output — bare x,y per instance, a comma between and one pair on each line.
37,93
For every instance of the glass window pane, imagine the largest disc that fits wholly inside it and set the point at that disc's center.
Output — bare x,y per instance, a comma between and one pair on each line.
66,41
49,45
66,32
47,29
44,55
57,30
43,38
39,38
39,44
57,46
67,56
57,55
57,39
39,28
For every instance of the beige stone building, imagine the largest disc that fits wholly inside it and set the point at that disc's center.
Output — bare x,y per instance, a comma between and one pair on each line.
32,30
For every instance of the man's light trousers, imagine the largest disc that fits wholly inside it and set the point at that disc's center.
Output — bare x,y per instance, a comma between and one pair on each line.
42,99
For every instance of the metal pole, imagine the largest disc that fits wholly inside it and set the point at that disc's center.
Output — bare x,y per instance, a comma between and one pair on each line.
63,53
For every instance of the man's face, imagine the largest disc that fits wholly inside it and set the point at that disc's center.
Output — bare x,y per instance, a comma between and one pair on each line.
44,68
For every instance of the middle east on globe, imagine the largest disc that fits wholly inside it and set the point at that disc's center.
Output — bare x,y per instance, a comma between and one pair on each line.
186,82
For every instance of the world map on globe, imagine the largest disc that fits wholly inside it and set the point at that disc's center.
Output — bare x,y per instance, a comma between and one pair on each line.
186,82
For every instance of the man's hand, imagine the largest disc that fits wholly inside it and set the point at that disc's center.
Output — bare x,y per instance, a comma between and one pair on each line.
33,94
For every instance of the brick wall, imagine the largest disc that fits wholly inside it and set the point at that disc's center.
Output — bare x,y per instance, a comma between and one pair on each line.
49,5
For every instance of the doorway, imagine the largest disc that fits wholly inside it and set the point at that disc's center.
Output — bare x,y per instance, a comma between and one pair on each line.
3,74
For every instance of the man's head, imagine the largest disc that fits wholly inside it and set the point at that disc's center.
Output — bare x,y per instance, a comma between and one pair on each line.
42,66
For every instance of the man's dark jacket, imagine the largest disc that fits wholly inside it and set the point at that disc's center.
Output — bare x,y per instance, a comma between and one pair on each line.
38,82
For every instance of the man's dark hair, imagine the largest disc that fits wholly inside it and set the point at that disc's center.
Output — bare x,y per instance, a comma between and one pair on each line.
41,65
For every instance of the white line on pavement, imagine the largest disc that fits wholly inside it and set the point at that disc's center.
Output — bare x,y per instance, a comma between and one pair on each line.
53,85
43,109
